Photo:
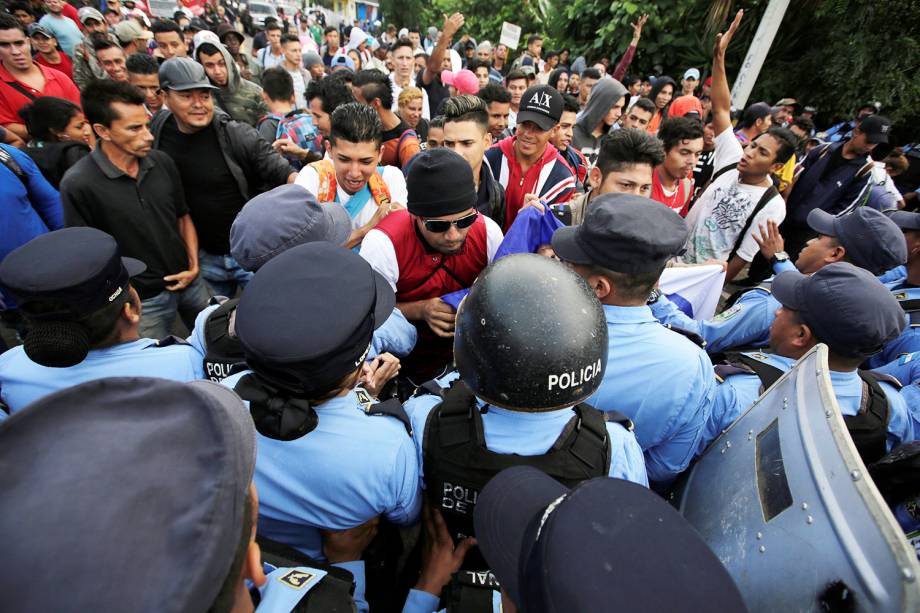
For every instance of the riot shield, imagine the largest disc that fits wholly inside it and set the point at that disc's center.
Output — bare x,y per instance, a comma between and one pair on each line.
785,502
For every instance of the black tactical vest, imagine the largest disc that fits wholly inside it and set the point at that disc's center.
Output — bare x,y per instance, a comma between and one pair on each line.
224,355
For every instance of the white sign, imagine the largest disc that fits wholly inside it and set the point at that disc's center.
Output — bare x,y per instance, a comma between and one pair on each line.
511,35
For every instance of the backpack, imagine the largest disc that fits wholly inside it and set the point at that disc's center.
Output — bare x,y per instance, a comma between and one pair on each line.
297,127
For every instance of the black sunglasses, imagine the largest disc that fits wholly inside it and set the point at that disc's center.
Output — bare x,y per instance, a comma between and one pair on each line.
439,226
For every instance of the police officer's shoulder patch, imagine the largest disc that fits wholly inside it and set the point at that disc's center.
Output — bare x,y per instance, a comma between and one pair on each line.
728,313
297,579
169,341
758,356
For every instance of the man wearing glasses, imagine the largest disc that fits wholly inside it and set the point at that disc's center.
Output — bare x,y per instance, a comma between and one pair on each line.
438,246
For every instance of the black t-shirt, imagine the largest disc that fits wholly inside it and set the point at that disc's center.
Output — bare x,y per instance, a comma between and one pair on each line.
437,93
211,191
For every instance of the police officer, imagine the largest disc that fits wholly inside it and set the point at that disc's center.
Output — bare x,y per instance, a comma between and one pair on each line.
75,292
864,237
530,348
89,498
657,377
329,456
906,291
849,310
267,225
529,526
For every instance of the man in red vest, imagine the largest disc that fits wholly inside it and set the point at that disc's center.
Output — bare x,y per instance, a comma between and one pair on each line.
438,246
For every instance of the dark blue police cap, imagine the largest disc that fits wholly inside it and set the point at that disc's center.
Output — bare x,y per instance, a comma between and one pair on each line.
871,239
906,220
847,308
80,267
307,317
624,233
607,544
124,494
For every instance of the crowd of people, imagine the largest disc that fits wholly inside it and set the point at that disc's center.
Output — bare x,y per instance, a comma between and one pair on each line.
330,318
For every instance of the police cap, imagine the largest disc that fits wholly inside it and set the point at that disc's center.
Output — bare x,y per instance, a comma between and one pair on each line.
872,240
847,308
531,335
906,220
79,267
624,233
306,319
124,490
558,549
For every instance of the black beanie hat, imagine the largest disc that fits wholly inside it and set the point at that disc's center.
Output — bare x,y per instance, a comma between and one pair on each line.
440,183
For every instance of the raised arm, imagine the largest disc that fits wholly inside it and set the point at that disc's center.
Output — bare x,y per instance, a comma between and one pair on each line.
720,94
451,25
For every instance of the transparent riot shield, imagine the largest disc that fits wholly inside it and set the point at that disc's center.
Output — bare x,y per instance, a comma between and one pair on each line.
785,502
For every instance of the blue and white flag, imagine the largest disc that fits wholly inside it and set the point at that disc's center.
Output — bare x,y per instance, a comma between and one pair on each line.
694,289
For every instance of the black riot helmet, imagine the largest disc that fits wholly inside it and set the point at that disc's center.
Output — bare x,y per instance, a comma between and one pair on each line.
531,335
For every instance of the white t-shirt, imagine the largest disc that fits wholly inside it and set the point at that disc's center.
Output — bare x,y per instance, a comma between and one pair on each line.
392,176
300,88
378,250
426,111
721,212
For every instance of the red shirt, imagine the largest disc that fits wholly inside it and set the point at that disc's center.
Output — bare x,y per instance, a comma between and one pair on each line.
11,100
65,65
679,200
70,12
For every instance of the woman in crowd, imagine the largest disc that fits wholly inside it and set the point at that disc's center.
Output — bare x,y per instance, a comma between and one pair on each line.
410,111
662,93
60,135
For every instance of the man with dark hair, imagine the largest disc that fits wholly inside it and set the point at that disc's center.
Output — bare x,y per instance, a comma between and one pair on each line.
85,66
19,73
531,55
289,128
352,175
526,164
324,97
757,119
435,132
136,195
638,115
625,165
271,54
498,101
329,50
440,245
589,77
466,131
516,84
672,181
403,75
399,143
222,162
239,98
112,59
562,140
741,196
481,70
168,37
293,64
144,74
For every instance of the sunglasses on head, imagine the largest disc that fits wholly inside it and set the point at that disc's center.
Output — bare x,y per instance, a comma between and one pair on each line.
439,226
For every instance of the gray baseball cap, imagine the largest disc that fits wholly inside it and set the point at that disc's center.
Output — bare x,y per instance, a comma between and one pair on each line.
846,307
182,74
871,239
284,217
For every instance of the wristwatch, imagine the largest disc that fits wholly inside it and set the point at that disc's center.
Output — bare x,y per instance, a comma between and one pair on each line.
653,296
779,256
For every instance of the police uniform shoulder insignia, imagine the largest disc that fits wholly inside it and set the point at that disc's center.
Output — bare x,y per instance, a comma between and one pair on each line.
758,356
364,399
297,579
900,296
728,313
170,341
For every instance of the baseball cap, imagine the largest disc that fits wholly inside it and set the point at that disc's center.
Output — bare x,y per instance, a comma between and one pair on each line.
36,29
541,104
530,528
284,217
872,239
432,32
182,74
485,46
464,80
225,28
686,105
307,316
692,73
846,307
623,232
342,61
876,128
79,266
906,220
88,12
128,31
117,478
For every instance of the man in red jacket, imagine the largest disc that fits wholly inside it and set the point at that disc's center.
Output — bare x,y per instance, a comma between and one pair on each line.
527,165
438,246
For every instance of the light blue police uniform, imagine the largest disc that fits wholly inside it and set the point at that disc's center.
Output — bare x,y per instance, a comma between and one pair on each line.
351,468
898,274
745,324
660,380
423,602
22,381
284,588
909,340
529,434
737,393
396,335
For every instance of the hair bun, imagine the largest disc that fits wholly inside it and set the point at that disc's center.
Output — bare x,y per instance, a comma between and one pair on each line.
57,344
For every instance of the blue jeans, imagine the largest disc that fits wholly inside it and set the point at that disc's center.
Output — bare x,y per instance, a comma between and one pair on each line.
158,314
222,273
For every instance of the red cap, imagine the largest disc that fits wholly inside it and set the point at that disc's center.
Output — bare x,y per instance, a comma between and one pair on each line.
683,105
464,80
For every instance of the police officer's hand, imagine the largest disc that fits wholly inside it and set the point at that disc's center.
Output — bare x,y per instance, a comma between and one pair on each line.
349,545
376,373
770,240
440,317
182,280
440,558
